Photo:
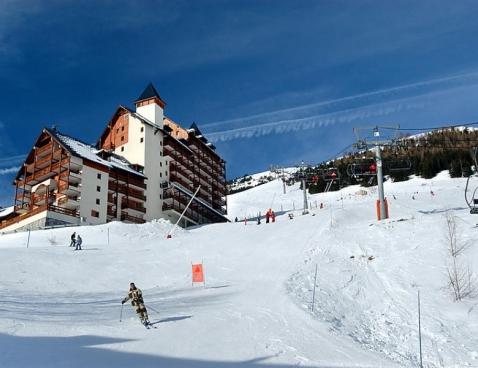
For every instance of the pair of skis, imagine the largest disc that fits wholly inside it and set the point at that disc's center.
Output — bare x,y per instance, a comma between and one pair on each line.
148,325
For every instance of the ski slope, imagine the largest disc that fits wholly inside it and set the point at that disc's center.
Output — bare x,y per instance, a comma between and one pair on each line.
61,308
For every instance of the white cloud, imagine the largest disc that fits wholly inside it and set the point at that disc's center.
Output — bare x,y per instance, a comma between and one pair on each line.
9,170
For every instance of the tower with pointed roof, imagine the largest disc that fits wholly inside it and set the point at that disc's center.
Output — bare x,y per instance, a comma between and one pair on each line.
150,105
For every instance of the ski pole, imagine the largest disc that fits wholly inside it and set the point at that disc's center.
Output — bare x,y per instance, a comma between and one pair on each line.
154,310
121,313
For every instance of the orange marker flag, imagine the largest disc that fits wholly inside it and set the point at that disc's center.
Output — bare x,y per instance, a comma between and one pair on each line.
198,273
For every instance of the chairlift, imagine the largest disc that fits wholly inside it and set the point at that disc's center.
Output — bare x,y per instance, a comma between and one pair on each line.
397,164
330,174
362,168
473,201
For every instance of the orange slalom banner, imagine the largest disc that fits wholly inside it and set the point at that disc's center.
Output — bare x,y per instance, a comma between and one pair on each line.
198,273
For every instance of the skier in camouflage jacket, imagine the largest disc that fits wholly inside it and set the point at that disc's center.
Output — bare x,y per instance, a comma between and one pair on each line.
137,302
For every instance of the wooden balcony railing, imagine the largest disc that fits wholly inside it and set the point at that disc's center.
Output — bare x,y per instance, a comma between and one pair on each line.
127,217
133,205
125,189
35,211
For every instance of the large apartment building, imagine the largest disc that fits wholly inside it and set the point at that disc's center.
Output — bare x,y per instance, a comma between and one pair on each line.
143,167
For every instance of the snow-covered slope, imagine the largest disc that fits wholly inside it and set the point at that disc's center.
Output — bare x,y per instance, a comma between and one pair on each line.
61,308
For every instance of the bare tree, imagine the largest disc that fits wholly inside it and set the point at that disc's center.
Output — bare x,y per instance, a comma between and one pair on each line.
461,279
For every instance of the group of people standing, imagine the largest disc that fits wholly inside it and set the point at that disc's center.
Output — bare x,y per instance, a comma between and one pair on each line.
76,241
270,216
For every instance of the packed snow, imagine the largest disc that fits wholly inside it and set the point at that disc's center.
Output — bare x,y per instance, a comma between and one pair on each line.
61,308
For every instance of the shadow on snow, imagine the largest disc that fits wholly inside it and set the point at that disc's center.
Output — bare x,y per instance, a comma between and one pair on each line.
86,351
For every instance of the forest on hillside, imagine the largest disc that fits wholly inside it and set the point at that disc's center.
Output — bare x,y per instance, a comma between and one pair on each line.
423,155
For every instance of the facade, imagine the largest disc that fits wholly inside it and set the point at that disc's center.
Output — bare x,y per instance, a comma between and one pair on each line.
144,167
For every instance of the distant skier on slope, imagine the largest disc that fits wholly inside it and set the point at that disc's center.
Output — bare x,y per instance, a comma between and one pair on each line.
136,297
79,241
73,239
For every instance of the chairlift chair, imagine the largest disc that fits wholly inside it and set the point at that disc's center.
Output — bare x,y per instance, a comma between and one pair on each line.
362,168
473,201
399,164
330,174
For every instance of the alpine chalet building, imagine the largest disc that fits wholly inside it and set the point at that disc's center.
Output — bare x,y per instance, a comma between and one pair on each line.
143,167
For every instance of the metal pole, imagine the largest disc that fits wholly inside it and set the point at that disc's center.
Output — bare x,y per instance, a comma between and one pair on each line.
420,330
121,313
381,197
28,240
306,203
315,284
283,179
108,236
182,214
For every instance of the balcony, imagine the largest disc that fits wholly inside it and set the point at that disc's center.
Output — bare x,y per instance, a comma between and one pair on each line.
74,177
127,217
126,190
177,179
70,189
37,210
111,212
41,151
136,206
69,202
41,199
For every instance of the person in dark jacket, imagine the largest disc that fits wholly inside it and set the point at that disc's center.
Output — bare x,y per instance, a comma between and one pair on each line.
73,239
137,302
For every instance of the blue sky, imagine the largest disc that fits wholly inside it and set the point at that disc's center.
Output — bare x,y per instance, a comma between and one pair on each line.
271,82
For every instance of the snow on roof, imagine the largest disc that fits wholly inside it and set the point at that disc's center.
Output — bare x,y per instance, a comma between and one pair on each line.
6,211
89,152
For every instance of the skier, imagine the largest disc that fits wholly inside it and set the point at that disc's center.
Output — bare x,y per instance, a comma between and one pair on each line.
273,216
268,215
73,239
78,242
136,297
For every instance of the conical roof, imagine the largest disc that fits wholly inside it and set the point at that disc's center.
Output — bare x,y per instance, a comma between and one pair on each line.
149,92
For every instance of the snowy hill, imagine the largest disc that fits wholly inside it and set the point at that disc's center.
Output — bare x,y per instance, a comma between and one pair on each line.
61,308
251,181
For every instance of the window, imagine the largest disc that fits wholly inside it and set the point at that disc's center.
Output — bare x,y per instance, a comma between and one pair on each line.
98,176
166,173
161,164
98,188
122,138
97,201
141,140
117,130
161,143
160,196
95,213
122,128
142,129
160,174
122,149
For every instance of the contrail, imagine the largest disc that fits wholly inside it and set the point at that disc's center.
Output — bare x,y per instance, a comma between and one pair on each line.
364,99
9,170
12,158
311,122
